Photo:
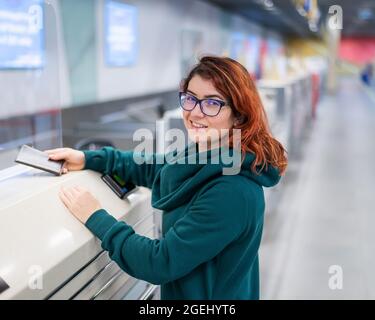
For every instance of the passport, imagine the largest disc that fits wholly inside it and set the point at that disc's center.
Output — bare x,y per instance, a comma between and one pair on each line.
38,159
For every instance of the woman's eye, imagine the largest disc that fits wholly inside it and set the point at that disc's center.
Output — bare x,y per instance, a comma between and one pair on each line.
213,103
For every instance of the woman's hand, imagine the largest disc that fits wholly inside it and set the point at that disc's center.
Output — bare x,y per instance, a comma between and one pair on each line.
80,202
74,159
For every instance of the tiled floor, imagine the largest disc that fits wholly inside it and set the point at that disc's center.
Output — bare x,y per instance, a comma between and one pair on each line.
325,212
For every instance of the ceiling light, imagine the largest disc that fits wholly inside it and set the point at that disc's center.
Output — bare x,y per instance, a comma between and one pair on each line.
268,4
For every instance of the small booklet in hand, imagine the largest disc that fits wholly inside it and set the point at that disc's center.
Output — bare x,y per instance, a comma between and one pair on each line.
38,159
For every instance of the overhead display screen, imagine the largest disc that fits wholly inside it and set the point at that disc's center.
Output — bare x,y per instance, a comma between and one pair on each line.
21,34
120,34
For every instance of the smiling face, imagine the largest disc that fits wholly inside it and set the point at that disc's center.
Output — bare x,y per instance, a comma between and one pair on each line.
204,129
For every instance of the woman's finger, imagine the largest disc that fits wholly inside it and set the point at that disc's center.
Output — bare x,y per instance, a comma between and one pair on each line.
75,192
80,189
59,156
64,168
64,199
68,194
50,151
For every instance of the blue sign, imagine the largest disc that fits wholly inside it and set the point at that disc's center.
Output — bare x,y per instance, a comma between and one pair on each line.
120,34
21,34
237,46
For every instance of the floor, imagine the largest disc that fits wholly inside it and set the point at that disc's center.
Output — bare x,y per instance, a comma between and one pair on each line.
319,241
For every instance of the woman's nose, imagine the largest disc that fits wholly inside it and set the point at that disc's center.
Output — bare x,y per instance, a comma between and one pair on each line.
197,112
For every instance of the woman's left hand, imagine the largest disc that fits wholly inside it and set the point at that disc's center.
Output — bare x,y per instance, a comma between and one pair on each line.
80,202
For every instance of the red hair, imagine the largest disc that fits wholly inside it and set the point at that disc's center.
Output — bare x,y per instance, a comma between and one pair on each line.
234,82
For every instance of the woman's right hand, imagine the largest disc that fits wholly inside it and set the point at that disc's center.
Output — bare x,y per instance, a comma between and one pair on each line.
74,159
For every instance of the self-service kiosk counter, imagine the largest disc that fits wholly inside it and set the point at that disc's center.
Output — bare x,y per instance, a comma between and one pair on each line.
288,105
46,253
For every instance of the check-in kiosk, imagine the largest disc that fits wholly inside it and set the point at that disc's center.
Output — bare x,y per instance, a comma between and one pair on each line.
288,105
46,253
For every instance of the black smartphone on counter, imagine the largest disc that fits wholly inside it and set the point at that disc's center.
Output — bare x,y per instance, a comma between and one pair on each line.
118,185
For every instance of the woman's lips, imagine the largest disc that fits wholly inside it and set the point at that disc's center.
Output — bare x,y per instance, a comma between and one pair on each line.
197,125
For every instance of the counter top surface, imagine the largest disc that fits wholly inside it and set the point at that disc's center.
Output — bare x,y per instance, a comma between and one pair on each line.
39,237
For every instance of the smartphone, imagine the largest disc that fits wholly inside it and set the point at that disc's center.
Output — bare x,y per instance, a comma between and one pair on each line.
38,159
118,185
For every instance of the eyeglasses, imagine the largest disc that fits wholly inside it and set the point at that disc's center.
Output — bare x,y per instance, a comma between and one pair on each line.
209,107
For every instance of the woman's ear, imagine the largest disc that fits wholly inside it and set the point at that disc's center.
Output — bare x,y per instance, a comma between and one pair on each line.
239,120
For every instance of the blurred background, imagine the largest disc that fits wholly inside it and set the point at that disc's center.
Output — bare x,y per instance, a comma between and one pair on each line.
89,73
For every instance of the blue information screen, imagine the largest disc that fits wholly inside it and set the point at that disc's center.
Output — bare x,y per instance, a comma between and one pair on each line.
120,34
21,34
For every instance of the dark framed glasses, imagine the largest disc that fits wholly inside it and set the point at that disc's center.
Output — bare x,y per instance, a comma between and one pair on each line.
210,107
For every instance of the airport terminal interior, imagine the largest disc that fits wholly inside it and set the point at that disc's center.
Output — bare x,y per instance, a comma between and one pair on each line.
86,74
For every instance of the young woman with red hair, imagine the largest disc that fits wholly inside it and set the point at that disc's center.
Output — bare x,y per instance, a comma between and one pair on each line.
212,223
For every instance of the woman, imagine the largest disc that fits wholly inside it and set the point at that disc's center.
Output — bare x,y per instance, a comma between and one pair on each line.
212,223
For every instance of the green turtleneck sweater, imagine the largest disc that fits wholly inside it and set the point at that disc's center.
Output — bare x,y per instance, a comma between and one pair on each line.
211,230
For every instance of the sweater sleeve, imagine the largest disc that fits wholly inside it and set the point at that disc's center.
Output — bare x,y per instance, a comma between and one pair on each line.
136,168
211,223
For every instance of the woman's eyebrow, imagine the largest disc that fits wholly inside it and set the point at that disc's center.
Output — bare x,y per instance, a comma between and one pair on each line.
207,96
214,96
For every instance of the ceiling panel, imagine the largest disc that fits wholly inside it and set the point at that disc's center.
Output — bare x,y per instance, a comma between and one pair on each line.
358,15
